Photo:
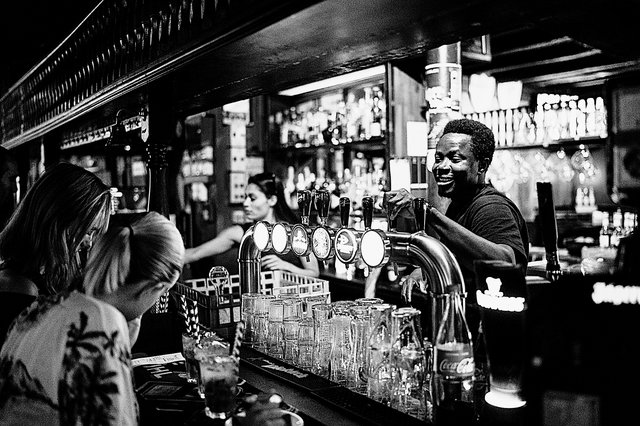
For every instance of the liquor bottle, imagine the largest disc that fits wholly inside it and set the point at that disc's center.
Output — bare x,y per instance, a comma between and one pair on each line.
616,232
377,124
454,366
605,236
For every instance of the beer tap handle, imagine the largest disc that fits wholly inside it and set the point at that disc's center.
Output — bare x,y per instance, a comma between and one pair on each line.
345,209
367,211
547,212
392,223
367,214
419,211
304,204
323,198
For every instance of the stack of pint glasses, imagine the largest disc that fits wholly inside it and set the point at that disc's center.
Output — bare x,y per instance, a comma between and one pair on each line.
279,326
368,346
341,341
321,315
410,390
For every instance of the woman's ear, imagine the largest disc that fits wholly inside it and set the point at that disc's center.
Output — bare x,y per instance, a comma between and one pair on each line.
153,289
273,200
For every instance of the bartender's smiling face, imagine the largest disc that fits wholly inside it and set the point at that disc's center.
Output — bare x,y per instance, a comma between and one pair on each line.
256,203
456,168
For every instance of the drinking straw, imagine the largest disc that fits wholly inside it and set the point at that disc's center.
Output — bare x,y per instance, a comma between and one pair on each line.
192,318
184,309
237,341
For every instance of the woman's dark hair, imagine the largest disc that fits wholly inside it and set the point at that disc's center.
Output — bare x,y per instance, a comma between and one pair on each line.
483,143
270,185
43,237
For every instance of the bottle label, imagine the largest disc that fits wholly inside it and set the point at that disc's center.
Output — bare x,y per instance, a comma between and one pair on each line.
455,361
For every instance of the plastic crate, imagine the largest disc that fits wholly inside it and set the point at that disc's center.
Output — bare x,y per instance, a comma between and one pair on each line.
223,311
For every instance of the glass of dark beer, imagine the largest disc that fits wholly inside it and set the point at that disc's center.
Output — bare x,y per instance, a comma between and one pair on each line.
501,296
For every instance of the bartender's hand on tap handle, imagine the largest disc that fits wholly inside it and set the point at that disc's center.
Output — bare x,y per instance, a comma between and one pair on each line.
408,282
401,200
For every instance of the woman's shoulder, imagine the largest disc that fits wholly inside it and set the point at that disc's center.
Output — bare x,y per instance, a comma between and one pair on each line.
12,282
97,310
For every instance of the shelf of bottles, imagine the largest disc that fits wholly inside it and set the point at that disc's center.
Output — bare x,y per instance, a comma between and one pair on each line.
615,226
556,119
119,46
365,177
354,118
197,164
96,133
355,115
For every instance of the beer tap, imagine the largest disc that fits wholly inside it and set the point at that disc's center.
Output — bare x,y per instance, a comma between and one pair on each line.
439,266
301,233
419,211
347,240
281,232
262,235
322,236
549,227
304,204
391,223
375,247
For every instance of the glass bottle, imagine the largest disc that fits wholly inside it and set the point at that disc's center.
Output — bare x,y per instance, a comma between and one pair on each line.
604,237
454,365
376,113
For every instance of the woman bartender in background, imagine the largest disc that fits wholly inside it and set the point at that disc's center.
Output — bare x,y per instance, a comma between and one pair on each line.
264,201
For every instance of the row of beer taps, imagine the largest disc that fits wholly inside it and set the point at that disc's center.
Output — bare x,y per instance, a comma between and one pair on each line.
373,246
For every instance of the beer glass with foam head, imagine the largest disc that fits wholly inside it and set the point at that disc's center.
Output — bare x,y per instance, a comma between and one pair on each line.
501,295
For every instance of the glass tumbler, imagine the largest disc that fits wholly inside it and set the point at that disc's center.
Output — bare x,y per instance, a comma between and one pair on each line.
321,313
261,314
292,308
356,376
409,364
369,301
341,344
378,360
308,302
204,351
305,343
248,306
290,327
189,342
219,377
274,337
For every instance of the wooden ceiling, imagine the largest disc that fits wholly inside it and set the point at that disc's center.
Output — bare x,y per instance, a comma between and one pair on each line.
549,45
585,46
561,46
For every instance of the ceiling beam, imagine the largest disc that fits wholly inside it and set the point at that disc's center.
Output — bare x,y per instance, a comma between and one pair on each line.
548,61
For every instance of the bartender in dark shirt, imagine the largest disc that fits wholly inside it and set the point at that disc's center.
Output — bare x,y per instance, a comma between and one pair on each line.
480,223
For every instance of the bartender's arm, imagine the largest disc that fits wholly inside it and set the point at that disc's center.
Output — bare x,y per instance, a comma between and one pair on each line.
220,244
310,267
464,244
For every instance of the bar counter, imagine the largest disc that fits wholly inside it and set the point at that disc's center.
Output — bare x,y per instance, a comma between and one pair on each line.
317,400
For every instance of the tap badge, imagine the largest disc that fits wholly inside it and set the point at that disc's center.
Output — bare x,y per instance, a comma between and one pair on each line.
346,246
321,243
299,240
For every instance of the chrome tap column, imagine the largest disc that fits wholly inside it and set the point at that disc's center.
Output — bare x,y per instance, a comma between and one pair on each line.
249,264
